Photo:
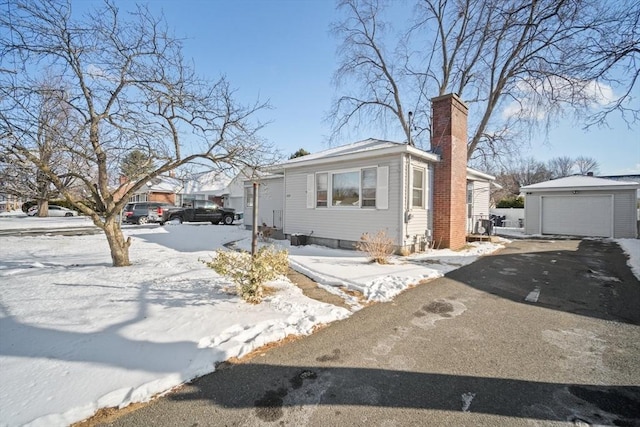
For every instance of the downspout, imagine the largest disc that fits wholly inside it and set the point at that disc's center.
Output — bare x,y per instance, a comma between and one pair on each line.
284,201
407,215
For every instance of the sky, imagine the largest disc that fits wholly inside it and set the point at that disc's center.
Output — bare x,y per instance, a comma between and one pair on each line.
79,335
283,51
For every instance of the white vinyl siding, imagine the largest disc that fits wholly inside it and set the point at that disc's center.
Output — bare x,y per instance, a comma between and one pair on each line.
480,198
345,223
625,214
270,202
598,213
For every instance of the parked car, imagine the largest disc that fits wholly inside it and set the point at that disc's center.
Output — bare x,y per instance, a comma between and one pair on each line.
54,210
199,211
144,212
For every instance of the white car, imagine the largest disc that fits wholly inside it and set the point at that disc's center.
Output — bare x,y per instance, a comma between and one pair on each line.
54,210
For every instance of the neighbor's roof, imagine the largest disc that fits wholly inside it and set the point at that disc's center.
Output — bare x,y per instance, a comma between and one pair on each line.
212,182
162,184
362,149
581,181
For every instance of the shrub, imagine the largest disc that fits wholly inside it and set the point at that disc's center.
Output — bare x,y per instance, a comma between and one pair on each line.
512,202
378,246
249,274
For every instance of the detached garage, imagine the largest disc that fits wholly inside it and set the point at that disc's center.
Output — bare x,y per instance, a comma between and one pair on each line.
582,206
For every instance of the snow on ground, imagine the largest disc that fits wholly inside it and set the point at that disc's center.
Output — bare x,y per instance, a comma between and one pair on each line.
78,335
334,269
632,248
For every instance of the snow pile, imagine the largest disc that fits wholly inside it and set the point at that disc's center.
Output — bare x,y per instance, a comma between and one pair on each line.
632,248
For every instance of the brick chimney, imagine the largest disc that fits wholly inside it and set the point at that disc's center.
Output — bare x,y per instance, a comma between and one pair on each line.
449,140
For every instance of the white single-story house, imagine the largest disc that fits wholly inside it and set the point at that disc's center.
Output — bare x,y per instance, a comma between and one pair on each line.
418,198
582,205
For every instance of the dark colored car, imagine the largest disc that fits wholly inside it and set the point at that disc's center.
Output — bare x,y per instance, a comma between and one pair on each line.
199,211
144,212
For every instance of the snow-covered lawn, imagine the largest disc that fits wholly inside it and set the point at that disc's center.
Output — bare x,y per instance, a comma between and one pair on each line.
77,335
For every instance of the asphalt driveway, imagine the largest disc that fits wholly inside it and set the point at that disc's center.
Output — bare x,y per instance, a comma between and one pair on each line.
541,333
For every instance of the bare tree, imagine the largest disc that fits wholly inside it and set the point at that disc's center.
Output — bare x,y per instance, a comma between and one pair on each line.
586,165
376,95
561,166
52,128
515,63
521,172
130,87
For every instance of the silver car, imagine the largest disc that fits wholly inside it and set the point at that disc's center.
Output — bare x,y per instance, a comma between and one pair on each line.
54,210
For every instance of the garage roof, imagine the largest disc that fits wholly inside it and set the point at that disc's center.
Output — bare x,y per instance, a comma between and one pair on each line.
581,182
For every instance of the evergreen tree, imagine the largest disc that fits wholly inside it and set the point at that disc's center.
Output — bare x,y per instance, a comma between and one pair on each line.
301,152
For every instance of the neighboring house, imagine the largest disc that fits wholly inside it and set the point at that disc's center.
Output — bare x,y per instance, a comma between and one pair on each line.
160,189
9,203
419,198
632,178
581,205
210,185
236,192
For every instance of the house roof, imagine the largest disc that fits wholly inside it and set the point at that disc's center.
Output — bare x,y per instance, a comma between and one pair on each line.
161,185
476,175
581,181
368,148
212,182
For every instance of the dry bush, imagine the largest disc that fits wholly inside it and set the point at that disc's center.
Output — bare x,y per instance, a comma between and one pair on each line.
378,246
249,274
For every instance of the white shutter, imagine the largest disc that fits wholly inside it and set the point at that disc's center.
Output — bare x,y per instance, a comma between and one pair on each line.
310,192
382,188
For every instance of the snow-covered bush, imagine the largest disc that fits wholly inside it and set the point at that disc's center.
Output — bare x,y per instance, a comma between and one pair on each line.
378,246
250,274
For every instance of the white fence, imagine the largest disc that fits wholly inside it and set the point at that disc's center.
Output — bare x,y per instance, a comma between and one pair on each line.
514,217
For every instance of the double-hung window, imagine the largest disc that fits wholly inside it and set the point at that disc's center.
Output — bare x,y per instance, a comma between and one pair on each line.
417,188
369,186
248,197
322,185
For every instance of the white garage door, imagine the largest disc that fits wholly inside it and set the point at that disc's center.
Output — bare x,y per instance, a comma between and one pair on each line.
578,215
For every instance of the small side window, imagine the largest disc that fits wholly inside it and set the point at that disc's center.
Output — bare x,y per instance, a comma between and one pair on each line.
322,186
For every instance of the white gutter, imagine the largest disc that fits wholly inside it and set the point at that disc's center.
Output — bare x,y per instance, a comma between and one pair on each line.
363,155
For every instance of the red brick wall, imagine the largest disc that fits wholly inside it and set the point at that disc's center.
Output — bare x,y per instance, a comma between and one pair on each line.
449,140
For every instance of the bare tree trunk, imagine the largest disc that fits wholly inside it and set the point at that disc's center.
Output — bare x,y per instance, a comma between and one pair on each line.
117,243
